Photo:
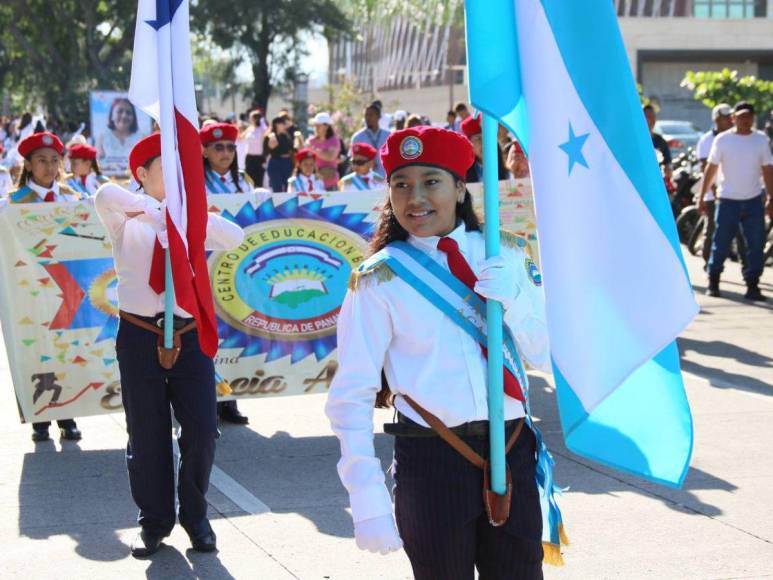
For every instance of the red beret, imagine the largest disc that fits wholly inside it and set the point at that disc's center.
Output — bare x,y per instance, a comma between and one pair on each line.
305,153
145,150
471,126
427,146
364,150
40,141
218,132
82,151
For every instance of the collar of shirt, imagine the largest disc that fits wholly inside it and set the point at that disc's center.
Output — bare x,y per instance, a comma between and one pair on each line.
42,191
429,244
224,178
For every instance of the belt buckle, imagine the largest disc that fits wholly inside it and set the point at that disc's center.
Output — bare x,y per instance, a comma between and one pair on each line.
160,322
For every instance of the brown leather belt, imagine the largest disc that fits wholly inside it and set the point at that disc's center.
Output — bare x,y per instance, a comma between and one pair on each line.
167,357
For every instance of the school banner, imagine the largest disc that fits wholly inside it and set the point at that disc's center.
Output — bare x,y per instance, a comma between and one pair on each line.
277,295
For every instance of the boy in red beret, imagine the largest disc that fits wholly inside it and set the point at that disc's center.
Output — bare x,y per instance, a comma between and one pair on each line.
221,167
471,128
305,177
402,342
85,176
363,177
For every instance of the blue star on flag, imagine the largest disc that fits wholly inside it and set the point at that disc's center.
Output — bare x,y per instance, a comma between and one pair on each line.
165,10
573,148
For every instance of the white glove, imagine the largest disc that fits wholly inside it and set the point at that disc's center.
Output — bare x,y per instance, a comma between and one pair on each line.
496,281
378,535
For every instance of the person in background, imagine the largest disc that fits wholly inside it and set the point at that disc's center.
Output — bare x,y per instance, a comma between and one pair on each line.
722,115
450,121
462,112
471,128
326,144
254,162
6,181
150,392
278,146
305,178
292,130
745,164
221,169
414,120
85,176
658,141
122,131
372,133
400,118
517,163
42,153
363,177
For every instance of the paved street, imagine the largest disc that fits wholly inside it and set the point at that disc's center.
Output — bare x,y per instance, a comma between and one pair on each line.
280,511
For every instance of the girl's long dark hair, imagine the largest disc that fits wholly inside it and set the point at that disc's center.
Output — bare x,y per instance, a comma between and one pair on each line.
233,169
389,230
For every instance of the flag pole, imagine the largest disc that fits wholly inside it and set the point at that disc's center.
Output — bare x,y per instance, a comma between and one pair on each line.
168,300
496,411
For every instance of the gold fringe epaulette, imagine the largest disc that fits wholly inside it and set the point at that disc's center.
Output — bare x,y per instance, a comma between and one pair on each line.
223,388
552,552
68,191
375,274
513,240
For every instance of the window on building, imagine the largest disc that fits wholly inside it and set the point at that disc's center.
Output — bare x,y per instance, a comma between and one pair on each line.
729,8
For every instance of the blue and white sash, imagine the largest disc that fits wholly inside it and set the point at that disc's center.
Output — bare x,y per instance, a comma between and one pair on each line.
359,183
445,291
75,183
215,184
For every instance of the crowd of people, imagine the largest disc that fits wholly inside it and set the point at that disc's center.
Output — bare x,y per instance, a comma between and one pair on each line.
253,151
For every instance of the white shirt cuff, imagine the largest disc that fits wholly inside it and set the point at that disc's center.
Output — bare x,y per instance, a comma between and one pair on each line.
370,502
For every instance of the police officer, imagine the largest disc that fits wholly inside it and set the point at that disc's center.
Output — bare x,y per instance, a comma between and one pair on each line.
364,177
135,222
38,183
388,323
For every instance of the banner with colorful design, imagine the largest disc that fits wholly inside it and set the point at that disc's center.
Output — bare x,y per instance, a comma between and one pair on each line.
277,295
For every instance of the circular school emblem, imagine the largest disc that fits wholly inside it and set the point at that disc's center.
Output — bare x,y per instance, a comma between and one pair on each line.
288,279
217,133
411,147
47,140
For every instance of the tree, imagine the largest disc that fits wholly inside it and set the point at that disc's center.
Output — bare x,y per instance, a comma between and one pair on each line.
713,88
56,52
269,33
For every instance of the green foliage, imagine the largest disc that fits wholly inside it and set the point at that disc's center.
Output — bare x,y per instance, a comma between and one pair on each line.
53,53
346,106
713,88
268,33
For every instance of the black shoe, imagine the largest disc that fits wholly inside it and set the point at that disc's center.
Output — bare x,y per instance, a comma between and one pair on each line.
70,433
753,292
205,541
146,544
713,288
39,435
231,414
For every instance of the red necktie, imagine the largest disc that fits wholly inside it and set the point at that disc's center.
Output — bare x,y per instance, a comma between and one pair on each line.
311,185
365,179
461,269
222,178
50,196
157,279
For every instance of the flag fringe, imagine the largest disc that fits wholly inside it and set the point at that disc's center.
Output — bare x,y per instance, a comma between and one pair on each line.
552,554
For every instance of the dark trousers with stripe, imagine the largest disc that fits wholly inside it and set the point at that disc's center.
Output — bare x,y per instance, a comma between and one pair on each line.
442,520
148,390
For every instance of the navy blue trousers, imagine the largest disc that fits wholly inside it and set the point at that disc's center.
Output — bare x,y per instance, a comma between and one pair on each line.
442,520
148,391
279,169
749,215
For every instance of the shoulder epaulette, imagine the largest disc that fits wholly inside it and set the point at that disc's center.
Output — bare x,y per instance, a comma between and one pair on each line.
22,195
247,179
512,240
102,178
374,270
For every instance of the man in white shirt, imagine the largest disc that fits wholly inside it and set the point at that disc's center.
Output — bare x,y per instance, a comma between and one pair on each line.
372,133
722,116
743,159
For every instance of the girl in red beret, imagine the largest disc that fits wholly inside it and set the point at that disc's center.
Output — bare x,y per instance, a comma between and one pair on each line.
85,176
402,342
363,177
471,127
39,179
136,224
305,177
221,168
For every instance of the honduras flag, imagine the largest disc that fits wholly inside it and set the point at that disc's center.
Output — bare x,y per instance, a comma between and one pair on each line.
555,72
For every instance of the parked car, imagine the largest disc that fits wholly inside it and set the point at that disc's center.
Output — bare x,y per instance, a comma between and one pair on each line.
680,135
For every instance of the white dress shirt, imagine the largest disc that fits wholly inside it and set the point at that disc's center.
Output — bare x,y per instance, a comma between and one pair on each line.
373,180
227,181
293,186
59,195
389,325
133,240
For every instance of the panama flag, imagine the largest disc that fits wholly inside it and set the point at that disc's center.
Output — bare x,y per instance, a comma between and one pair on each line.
617,293
162,86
